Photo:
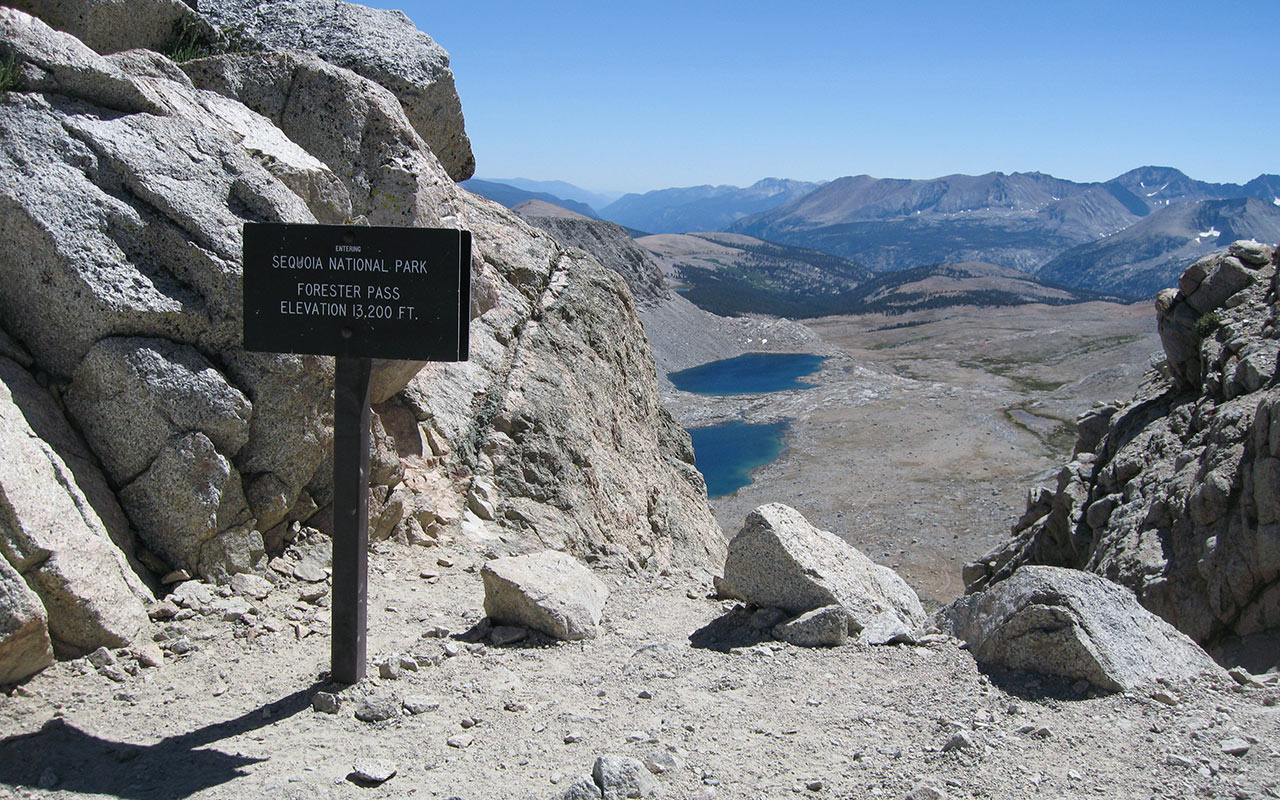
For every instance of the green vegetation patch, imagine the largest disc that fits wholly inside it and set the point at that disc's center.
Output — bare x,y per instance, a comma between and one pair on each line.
10,71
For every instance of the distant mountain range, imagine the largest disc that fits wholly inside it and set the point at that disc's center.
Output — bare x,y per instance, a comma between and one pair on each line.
702,208
1128,236
512,196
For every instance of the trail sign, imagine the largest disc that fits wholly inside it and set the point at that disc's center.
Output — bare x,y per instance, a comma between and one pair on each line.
357,293
354,291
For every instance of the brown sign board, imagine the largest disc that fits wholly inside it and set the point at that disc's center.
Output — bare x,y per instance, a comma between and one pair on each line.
357,291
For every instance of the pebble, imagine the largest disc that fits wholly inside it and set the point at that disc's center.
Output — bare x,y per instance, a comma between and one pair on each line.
469,722
420,704
515,705
162,609
101,657
572,738
452,649
444,562
661,763
1235,746
372,770
177,576
310,594
436,632
389,669
1178,760
461,741
408,664
814,786
427,575
645,694
1166,697
959,741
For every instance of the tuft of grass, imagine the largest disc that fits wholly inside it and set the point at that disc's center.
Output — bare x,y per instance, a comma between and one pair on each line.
1207,324
10,70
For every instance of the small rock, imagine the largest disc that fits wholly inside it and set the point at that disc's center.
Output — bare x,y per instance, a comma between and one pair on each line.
114,672
309,571
377,708
814,786
515,706
251,585
661,763
572,738
408,664
427,574
102,657
927,790
468,722
48,779
1177,760
621,776
582,788
1235,746
389,669
420,704
959,741
645,694
162,610
1241,676
452,649
503,635
823,627
372,770
444,562
436,632
461,741
310,594
177,576
326,702
1165,696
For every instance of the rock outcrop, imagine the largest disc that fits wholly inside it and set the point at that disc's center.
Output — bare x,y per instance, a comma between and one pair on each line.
1176,494
779,560
124,183
379,44
609,242
1076,625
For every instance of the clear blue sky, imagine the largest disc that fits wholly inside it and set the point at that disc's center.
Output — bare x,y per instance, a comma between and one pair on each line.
637,96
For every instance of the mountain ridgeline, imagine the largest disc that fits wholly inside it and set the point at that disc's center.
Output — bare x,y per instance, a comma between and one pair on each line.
1126,237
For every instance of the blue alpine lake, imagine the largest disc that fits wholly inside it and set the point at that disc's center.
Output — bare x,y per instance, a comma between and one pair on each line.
726,454
752,373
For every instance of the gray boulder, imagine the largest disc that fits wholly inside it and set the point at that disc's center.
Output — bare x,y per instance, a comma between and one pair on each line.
110,26
384,46
548,591
50,535
131,395
1074,624
778,559
25,648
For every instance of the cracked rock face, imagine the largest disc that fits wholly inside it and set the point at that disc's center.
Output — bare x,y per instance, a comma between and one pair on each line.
1176,494
123,189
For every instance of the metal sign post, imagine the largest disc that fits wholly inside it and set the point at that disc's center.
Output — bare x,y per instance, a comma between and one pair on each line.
356,293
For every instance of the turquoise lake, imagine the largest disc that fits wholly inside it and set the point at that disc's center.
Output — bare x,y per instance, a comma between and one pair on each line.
726,454
753,373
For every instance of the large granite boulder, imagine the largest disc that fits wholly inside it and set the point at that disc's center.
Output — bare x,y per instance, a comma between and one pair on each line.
548,591
110,26
1176,494
779,560
382,45
51,536
1074,624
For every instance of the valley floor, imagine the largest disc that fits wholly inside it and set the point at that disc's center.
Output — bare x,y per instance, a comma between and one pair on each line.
232,718
927,429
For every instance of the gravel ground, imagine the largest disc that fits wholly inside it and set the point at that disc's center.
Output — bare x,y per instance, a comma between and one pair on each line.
674,677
